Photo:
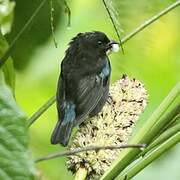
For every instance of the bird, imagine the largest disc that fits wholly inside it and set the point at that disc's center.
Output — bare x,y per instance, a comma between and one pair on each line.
83,84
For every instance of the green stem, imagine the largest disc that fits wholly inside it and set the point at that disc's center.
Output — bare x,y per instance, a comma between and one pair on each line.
150,21
68,11
161,123
40,111
114,24
172,118
11,46
151,156
176,120
142,136
165,135
52,22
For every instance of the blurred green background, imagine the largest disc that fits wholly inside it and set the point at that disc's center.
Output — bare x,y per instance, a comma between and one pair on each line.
152,56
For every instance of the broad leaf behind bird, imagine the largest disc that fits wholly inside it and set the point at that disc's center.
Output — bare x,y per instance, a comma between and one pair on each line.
83,84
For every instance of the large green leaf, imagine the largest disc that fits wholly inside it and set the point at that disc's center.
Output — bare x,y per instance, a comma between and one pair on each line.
15,162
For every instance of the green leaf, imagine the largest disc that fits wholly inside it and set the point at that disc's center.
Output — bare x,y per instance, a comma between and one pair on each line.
15,162
8,67
6,15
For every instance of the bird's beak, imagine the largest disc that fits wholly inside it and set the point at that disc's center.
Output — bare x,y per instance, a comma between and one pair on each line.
112,47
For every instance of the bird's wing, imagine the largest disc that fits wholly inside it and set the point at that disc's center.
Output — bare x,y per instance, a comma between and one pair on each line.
89,92
66,116
60,96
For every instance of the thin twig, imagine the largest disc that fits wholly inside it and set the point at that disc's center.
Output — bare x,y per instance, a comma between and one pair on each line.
150,21
89,148
67,10
40,111
52,22
132,34
11,46
114,25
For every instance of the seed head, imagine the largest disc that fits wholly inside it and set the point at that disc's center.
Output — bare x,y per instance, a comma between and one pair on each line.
112,126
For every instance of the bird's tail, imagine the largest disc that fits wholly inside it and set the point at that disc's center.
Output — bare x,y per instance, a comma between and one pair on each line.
63,129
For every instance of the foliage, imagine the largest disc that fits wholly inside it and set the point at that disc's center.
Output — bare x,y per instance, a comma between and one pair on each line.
14,156
37,33
8,67
6,15
15,160
152,57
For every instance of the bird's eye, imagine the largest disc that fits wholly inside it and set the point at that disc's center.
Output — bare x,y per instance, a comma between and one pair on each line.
99,42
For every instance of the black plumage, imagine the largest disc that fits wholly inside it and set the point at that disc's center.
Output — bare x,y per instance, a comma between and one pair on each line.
83,84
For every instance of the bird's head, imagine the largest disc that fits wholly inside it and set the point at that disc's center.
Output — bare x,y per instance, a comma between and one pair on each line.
95,42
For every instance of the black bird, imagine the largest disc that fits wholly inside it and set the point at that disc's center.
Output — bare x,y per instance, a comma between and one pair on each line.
83,85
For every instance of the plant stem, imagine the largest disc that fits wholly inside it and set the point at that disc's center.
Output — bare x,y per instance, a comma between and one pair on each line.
172,122
151,20
81,174
68,12
114,25
52,22
128,155
166,119
165,135
151,156
11,46
41,110
89,148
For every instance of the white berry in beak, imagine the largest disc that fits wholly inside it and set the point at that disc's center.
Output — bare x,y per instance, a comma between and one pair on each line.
112,47
115,47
